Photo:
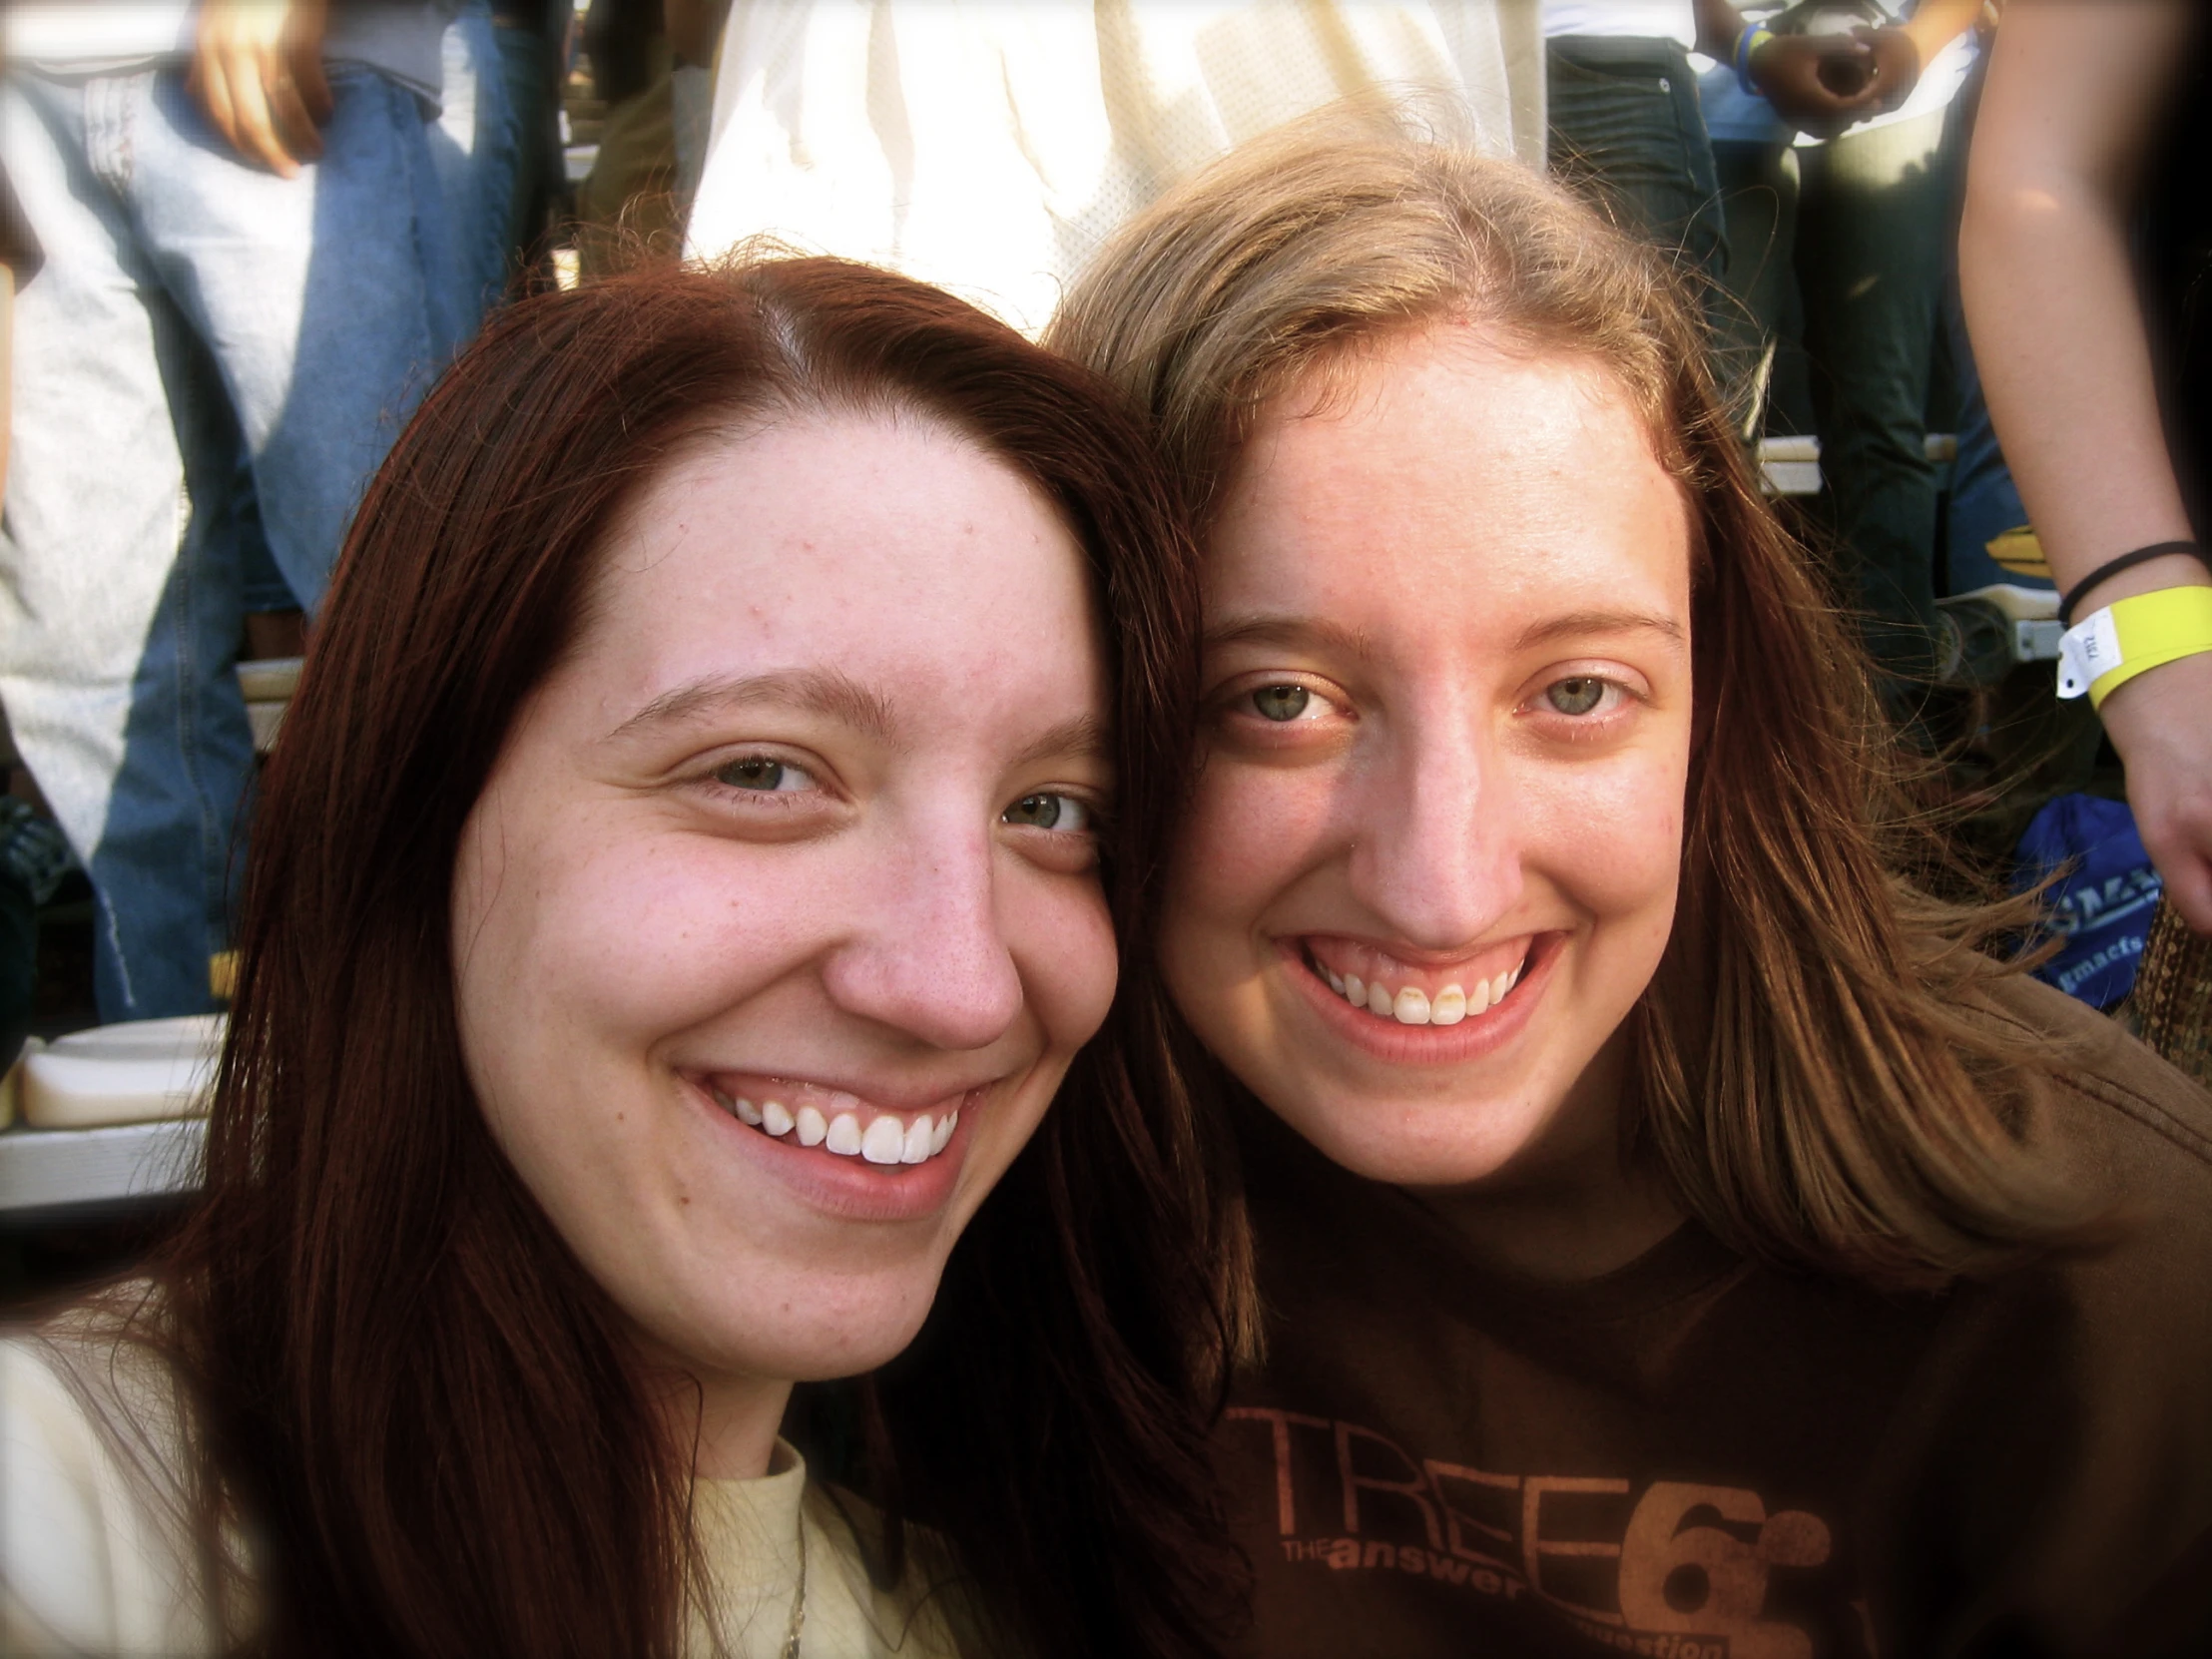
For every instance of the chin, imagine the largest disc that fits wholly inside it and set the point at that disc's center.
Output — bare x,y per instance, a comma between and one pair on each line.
1438,1144
844,1335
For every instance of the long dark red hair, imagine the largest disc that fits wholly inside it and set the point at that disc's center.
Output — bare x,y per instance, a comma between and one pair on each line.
403,1384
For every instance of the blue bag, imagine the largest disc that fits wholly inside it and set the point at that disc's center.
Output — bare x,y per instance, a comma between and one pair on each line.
2101,906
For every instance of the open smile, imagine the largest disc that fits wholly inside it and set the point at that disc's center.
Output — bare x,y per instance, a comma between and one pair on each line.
1412,1012
1387,988
838,1122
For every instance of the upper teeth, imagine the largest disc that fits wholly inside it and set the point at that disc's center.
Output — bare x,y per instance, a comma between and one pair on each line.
1410,1005
888,1139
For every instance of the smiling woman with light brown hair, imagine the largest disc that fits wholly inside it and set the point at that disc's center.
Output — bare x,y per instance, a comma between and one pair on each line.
1675,1232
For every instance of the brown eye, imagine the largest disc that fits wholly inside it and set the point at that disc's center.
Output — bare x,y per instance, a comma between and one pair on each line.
1281,701
1577,696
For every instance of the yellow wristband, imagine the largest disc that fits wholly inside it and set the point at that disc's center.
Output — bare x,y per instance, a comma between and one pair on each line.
2128,637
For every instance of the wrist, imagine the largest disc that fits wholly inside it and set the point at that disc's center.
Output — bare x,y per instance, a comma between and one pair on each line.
2117,644
2153,719
2168,570
1750,41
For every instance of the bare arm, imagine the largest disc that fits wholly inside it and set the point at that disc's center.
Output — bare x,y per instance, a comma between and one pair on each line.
1937,23
2073,96
1718,24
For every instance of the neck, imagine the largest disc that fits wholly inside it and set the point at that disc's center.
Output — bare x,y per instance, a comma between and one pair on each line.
729,1422
1570,1208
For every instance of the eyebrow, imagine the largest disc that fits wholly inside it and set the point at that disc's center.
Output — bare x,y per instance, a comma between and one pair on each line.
1313,631
1083,737
1321,632
841,698
821,691
1599,622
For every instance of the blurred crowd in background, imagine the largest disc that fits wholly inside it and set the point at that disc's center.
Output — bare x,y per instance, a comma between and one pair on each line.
242,236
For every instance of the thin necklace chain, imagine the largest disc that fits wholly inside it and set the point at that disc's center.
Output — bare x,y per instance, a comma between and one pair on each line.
798,1601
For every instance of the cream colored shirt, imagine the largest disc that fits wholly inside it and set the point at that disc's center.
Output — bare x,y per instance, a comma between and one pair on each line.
989,146
96,1554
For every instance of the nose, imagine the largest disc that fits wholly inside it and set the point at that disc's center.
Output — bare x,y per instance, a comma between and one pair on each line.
1435,851
930,958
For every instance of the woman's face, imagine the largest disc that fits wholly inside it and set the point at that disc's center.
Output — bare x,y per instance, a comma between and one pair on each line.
778,922
1434,847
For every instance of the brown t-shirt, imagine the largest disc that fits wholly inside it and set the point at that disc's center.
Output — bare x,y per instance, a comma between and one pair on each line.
1698,1457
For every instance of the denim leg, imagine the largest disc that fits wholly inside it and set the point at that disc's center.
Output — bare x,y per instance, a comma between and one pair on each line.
184,297
325,302
263,586
1626,123
525,60
476,147
1759,199
117,614
1869,266
1625,119
1984,503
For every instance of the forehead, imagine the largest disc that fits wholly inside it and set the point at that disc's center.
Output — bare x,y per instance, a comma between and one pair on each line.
1447,467
828,528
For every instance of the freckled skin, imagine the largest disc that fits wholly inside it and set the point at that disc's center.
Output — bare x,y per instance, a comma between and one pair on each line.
1457,497
623,919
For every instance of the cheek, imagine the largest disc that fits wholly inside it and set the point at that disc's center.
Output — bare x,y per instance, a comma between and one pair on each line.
1248,834
1062,941
1611,836
585,945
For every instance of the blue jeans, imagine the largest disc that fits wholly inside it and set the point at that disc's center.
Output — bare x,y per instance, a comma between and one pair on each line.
184,297
1627,126
477,145
1861,222
1984,502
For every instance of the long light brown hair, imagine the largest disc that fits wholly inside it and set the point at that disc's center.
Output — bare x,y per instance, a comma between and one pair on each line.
1812,1070
397,1376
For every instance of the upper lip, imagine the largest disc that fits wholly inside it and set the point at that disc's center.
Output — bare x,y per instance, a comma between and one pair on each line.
884,1094
1495,955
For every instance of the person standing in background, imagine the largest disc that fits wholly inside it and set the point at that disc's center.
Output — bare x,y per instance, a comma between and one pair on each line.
991,149
1854,207
626,206
2084,257
246,255
33,855
1627,122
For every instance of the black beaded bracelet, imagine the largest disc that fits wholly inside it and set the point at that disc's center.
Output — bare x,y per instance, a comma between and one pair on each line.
2126,561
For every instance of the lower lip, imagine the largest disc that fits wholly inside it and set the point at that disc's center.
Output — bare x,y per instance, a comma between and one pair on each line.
1428,1045
851,1189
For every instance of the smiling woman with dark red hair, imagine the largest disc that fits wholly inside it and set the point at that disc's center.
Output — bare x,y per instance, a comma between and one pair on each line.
734,749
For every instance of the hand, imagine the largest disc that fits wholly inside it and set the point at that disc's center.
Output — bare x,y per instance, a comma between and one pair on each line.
256,74
1896,65
2157,722
1801,76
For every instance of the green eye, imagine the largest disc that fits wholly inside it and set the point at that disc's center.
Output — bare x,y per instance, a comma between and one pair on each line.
1577,696
760,771
1049,811
1281,701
